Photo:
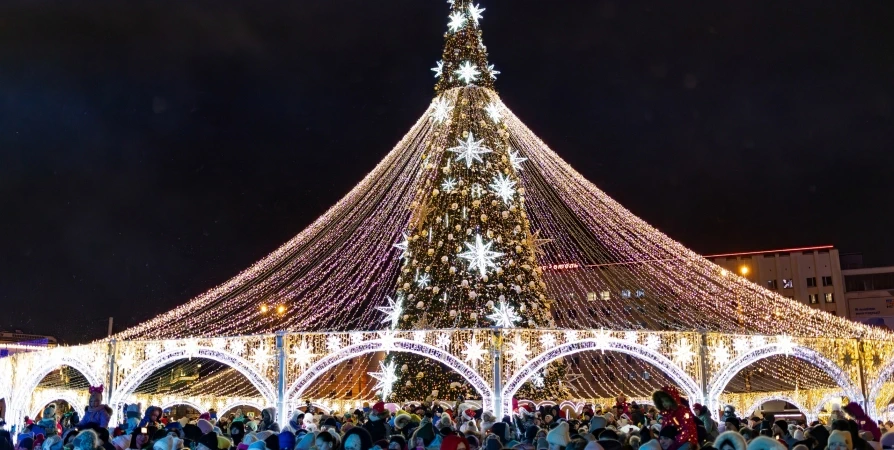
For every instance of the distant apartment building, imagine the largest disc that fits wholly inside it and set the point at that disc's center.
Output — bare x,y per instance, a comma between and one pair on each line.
12,342
810,275
869,292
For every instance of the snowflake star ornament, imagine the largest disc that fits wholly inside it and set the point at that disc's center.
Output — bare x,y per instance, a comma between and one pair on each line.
448,185
683,353
493,111
504,316
440,110
653,342
515,159
469,150
424,280
333,343
443,341
439,69
392,311
475,13
403,246
548,340
385,378
786,344
457,20
303,355
480,256
503,187
720,354
467,72
474,352
493,72
518,350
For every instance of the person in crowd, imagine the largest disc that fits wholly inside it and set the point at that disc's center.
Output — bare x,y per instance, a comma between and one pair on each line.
840,440
96,413
358,438
152,417
268,420
730,440
673,413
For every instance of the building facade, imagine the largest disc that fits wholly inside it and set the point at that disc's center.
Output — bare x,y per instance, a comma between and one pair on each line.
810,275
870,295
12,342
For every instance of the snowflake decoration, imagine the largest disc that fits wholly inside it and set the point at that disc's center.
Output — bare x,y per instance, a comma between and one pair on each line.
480,256
469,150
333,343
515,159
237,346
385,378
126,362
758,341
475,13
404,247
387,338
356,338
443,341
503,187
392,311
191,348
152,349
423,280
493,73
467,72
448,185
419,336
504,316
518,350
631,336
683,352
786,344
537,380
476,190
219,343
741,344
440,110
653,342
261,356
474,352
720,354
493,111
548,340
457,20
439,69
570,336
302,355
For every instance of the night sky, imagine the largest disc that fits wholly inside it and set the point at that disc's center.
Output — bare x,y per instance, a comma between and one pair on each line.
150,150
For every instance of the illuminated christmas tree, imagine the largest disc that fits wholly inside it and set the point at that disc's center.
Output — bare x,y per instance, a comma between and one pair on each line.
469,255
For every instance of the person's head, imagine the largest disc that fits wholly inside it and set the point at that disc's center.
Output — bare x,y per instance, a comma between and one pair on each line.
25,444
95,400
325,441
840,440
667,436
139,438
357,438
397,442
780,428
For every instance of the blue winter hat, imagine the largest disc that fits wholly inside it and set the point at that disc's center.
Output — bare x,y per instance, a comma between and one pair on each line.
286,440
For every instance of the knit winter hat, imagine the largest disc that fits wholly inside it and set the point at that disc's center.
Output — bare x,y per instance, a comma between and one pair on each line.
559,435
839,437
306,442
205,426
287,440
597,423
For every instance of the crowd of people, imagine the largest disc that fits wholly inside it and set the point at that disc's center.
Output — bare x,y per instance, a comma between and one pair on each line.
671,424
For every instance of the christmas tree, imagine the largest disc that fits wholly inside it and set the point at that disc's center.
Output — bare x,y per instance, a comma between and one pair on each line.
469,255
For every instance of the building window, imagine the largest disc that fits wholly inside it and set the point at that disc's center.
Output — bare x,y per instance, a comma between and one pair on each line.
814,298
771,284
591,296
827,281
811,282
625,293
605,295
788,283
829,297
640,293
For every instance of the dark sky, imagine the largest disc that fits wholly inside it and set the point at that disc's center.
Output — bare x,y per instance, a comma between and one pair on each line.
149,150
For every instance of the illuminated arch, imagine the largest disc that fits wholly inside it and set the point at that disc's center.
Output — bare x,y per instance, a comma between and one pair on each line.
48,362
141,373
190,403
235,404
397,344
877,385
834,396
49,396
659,361
726,374
769,398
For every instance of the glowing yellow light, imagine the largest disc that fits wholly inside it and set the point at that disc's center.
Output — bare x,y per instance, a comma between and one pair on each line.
263,308
280,309
743,270
724,272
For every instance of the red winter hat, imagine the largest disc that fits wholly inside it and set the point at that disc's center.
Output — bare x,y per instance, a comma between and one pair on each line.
379,407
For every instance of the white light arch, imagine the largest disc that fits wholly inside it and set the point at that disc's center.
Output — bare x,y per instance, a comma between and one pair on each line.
877,385
45,398
396,344
834,396
236,404
607,343
49,362
770,398
191,404
724,375
141,373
